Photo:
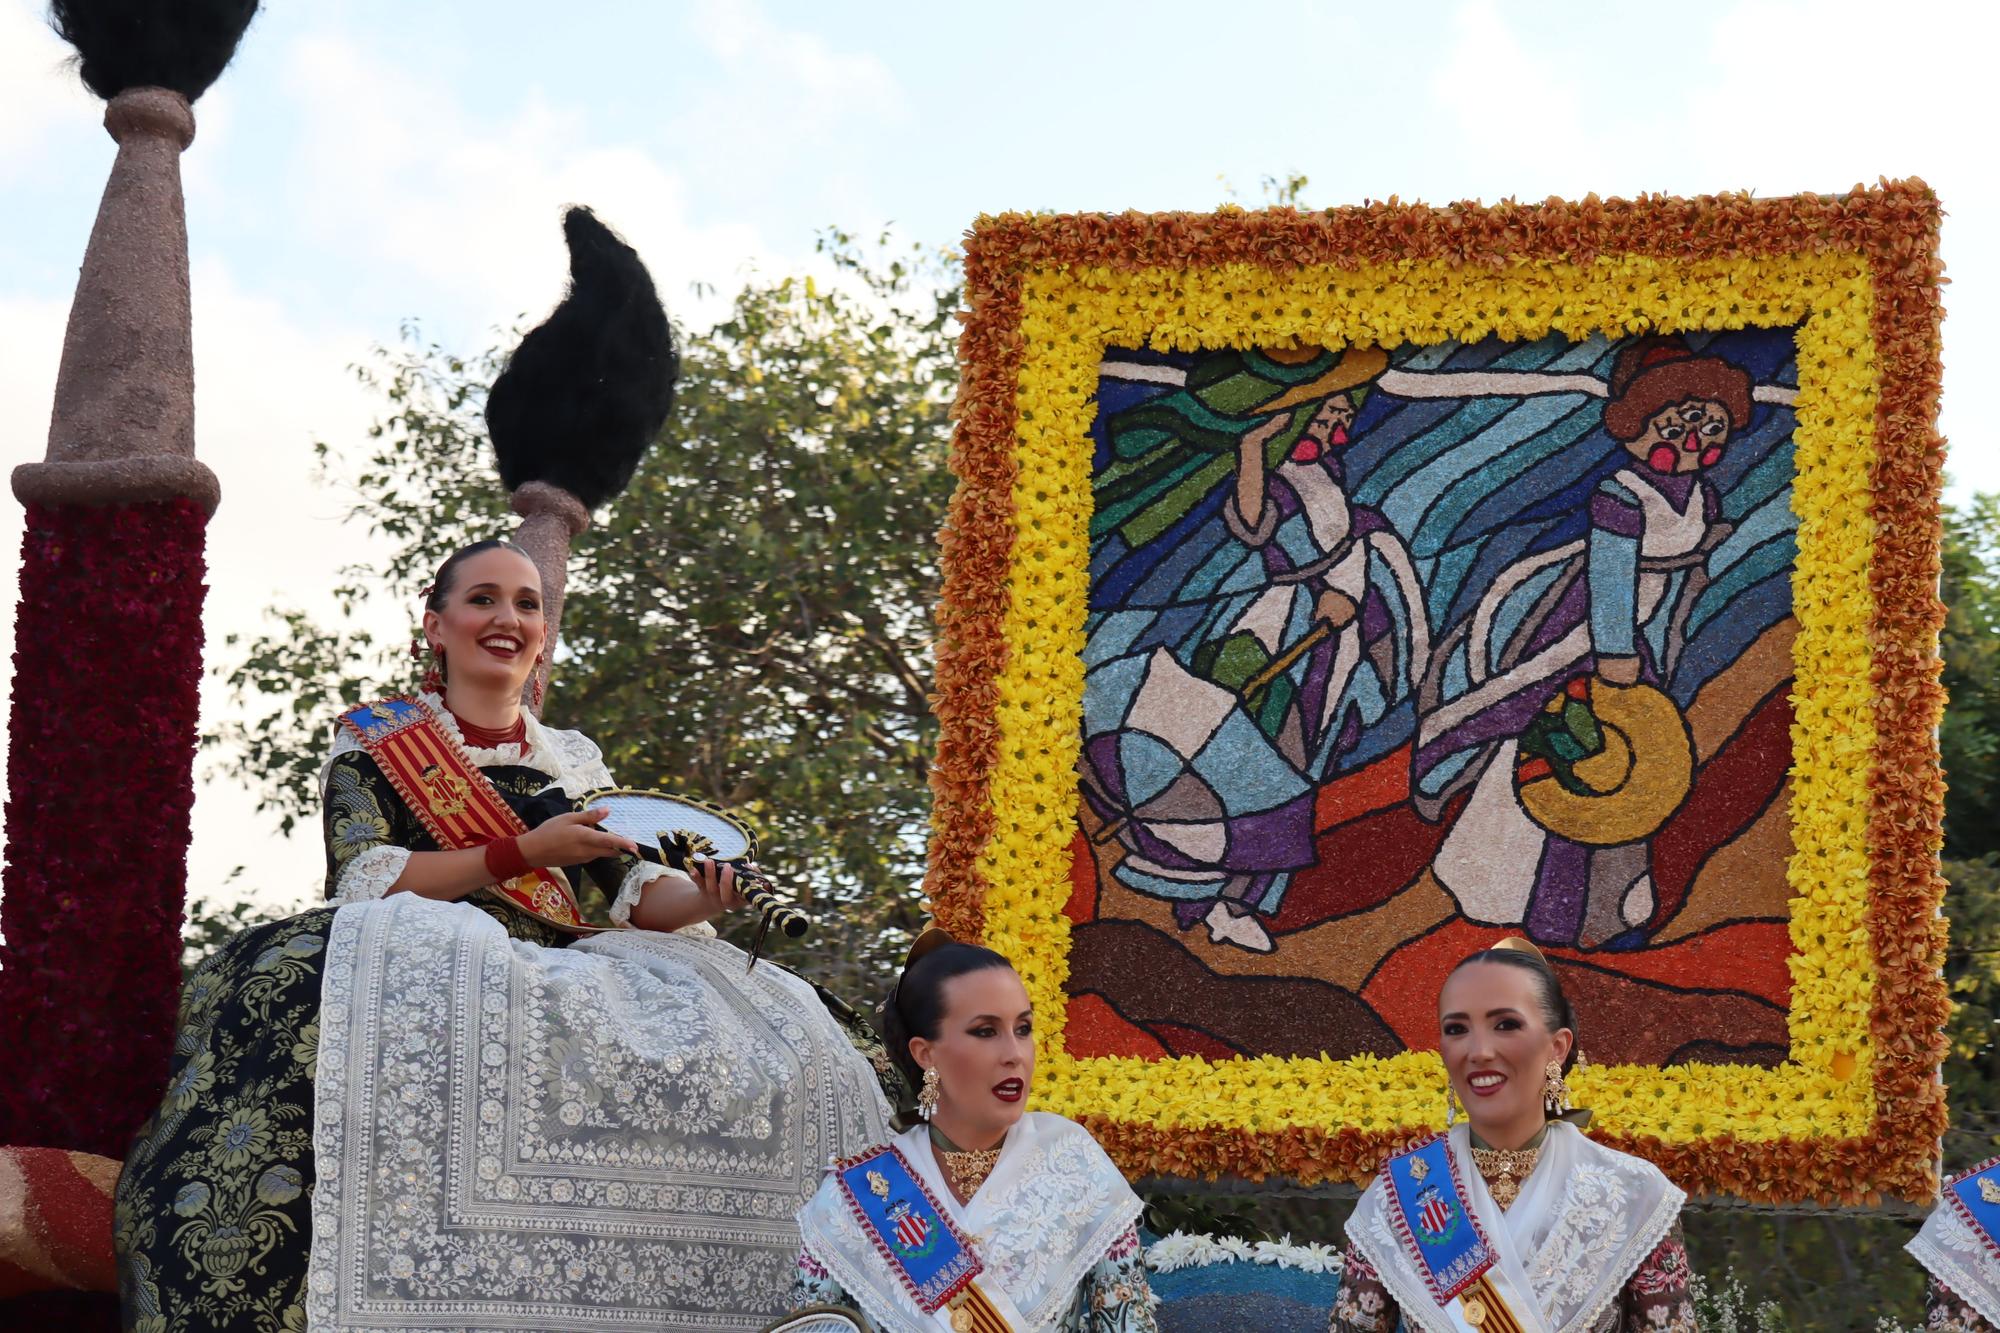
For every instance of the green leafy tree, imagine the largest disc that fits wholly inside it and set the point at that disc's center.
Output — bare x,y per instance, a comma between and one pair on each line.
750,623
1970,735
1969,739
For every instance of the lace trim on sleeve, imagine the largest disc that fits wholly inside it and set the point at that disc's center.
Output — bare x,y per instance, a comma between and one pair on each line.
370,875
636,879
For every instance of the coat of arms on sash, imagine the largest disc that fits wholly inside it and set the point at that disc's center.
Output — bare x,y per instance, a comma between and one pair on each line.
911,1236
1436,1216
448,791
934,1263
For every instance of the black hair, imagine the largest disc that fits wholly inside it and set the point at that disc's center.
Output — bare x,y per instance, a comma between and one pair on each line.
915,1007
440,589
588,389
120,44
1557,1011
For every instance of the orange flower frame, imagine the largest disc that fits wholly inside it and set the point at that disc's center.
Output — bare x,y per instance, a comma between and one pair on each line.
1885,238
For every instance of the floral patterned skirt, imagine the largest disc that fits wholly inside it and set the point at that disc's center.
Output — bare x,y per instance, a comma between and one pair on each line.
214,1206
214,1209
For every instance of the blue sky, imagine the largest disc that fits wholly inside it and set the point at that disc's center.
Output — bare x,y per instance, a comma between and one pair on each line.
364,163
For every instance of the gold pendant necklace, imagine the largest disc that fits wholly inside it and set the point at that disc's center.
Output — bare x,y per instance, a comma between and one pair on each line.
964,1171
1505,1169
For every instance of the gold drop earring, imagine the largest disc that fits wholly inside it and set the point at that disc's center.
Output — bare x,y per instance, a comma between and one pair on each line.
1555,1089
927,1095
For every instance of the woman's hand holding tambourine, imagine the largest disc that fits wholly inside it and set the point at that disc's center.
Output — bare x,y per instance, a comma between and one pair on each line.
716,882
573,839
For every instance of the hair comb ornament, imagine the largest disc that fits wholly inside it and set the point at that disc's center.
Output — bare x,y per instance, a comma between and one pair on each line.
929,940
1575,1115
1518,944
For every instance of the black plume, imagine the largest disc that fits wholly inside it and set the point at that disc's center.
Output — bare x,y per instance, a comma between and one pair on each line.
177,44
587,391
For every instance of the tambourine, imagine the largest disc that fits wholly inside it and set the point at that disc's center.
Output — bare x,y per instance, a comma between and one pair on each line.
680,828
820,1319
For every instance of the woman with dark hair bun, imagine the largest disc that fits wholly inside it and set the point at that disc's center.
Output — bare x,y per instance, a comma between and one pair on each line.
982,1215
448,1100
1512,1219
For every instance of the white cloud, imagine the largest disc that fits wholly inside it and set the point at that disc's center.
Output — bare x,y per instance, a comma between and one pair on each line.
789,82
37,91
1487,64
395,174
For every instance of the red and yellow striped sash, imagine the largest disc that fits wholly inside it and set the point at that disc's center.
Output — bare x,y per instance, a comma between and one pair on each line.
454,800
1485,1309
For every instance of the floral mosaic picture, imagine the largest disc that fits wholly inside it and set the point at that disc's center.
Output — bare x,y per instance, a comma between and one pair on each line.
1329,595
1388,649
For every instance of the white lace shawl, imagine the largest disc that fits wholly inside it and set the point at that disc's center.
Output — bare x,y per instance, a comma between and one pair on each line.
1053,1206
1585,1220
606,1137
1958,1256
574,760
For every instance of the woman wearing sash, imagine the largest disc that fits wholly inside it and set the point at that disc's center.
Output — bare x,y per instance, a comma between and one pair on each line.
1513,1220
979,1217
1959,1247
447,1102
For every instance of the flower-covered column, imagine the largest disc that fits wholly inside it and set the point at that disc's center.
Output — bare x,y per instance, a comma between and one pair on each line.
106,668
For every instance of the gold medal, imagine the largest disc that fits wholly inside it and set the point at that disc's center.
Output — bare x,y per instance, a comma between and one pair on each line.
1473,1309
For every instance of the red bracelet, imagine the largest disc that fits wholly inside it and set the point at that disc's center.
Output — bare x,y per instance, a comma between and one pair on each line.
504,860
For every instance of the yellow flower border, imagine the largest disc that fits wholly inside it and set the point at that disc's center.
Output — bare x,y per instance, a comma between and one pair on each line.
1319,1118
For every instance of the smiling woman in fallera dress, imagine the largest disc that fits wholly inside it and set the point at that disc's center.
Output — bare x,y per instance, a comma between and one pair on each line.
437,1105
1584,1239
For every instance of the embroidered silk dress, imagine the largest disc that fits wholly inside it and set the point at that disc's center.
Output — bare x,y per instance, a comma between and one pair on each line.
1591,1245
397,1112
1055,1225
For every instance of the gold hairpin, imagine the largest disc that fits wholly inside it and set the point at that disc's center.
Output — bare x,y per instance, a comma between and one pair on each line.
1519,945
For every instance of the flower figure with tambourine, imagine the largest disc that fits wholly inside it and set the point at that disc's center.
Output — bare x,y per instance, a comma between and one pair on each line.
676,829
1604,764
